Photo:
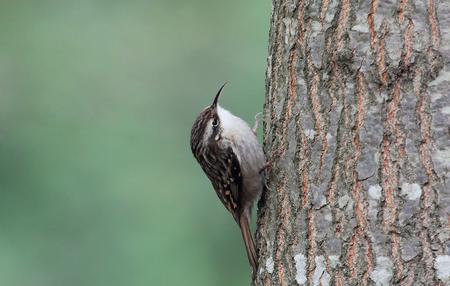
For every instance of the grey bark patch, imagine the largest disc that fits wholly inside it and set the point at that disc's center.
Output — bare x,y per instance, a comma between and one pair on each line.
383,271
442,266
375,192
300,266
411,191
410,249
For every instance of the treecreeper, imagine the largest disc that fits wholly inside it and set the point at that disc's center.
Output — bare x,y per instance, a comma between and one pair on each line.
231,156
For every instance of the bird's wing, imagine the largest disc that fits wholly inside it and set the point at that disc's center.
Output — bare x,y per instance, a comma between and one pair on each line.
229,185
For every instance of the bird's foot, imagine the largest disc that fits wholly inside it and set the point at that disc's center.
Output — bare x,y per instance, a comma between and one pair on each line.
255,127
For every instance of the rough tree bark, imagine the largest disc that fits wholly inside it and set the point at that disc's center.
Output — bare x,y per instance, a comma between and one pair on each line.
357,122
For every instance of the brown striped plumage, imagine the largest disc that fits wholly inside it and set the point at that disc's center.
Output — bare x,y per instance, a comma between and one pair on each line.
232,158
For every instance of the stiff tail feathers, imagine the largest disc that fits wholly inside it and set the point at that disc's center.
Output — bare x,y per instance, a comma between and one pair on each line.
244,224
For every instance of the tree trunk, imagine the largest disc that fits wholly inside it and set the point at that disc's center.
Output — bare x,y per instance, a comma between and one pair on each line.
357,122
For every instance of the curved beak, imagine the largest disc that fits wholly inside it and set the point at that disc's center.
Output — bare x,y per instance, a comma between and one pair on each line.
216,98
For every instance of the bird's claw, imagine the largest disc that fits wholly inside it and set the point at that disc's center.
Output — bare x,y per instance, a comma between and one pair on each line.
255,127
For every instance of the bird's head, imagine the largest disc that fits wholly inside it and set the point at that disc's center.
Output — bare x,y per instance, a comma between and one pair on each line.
207,126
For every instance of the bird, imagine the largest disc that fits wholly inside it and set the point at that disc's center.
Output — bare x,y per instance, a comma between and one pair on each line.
231,156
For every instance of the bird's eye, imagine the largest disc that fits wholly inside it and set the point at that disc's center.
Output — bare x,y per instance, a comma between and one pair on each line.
215,122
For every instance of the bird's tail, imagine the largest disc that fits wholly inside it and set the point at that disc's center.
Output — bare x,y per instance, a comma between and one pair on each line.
244,223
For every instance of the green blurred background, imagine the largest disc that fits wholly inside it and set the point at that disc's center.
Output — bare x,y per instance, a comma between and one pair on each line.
97,182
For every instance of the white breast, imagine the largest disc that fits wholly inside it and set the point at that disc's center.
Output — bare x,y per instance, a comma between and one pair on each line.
244,142
233,126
